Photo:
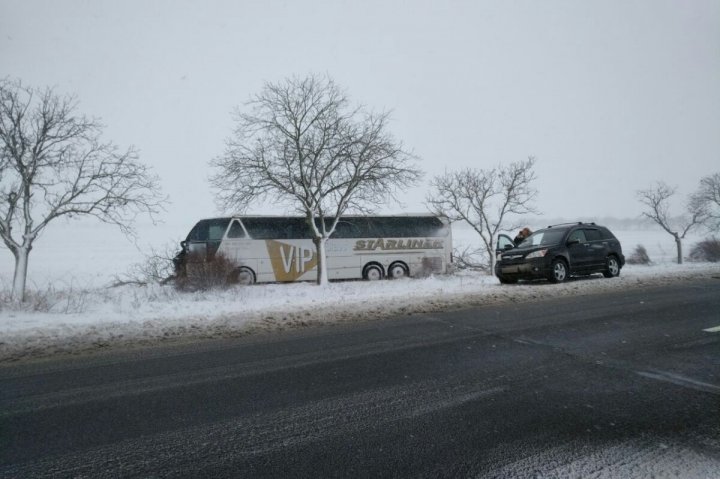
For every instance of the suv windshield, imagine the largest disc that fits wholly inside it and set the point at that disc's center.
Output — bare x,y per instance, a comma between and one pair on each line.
543,238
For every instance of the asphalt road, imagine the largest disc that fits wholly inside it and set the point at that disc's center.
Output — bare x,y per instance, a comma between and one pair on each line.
620,385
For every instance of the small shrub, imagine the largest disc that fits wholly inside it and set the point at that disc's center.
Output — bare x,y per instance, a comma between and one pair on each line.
469,259
49,300
201,274
156,268
639,256
706,250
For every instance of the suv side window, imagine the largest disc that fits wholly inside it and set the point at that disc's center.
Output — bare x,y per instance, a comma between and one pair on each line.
577,235
606,234
592,235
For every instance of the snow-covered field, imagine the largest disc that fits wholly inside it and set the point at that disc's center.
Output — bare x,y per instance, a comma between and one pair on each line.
70,272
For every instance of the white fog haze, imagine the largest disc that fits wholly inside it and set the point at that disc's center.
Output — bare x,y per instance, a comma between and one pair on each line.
609,97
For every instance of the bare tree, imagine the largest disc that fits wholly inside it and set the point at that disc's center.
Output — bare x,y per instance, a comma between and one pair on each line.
302,145
156,267
485,198
657,202
53,164
708,194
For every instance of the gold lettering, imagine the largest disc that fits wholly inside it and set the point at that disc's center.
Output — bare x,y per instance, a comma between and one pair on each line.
396,244
286,257
308,257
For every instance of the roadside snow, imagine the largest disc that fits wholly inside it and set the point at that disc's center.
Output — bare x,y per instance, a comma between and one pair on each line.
84,319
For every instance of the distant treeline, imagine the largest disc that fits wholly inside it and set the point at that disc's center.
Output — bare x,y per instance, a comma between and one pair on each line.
538,222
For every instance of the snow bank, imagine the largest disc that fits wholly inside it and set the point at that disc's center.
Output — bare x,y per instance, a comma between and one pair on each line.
84,319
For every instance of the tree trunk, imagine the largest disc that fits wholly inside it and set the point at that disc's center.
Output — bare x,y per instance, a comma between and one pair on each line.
322,272
678,243
322,263
20,277
490,250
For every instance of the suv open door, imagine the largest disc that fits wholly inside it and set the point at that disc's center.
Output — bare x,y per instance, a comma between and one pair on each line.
504,243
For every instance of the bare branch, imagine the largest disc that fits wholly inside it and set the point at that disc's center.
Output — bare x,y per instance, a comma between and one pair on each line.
300,144
708,195
484,198
657,201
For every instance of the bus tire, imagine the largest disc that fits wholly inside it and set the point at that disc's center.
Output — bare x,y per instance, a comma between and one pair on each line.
243,275
398,270
373,272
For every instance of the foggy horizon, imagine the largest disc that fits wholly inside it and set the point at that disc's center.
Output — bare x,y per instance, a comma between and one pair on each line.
609,97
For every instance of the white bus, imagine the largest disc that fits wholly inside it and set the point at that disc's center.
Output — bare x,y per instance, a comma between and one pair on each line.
280,248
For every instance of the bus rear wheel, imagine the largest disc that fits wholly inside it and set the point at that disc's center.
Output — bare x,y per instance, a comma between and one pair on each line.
373,272
244,276
398,270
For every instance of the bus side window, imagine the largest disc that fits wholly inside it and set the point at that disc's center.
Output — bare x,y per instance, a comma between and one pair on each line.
216,232
261,228
236,230
301,229
199,232
209,230
346,229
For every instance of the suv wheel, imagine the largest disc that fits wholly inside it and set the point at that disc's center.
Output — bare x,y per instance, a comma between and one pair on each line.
612,268
558,271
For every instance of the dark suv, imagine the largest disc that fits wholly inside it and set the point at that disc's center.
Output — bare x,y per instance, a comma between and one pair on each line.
558,252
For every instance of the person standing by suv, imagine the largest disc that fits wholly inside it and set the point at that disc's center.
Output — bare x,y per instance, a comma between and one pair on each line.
522,234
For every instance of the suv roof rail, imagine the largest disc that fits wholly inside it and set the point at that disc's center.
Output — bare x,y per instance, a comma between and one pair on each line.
571,224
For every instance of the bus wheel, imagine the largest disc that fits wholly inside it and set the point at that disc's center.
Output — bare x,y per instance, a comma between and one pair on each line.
373,272
398,270
244,276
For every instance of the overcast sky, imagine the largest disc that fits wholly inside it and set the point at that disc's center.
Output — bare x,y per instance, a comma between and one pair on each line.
609,96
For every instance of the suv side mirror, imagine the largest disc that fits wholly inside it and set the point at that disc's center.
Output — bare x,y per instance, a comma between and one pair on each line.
508,246
573,241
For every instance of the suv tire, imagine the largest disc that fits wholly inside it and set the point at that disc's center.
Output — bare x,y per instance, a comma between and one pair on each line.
612,268
558,271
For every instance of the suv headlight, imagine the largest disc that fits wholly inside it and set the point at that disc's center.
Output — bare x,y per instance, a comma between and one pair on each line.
537,254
